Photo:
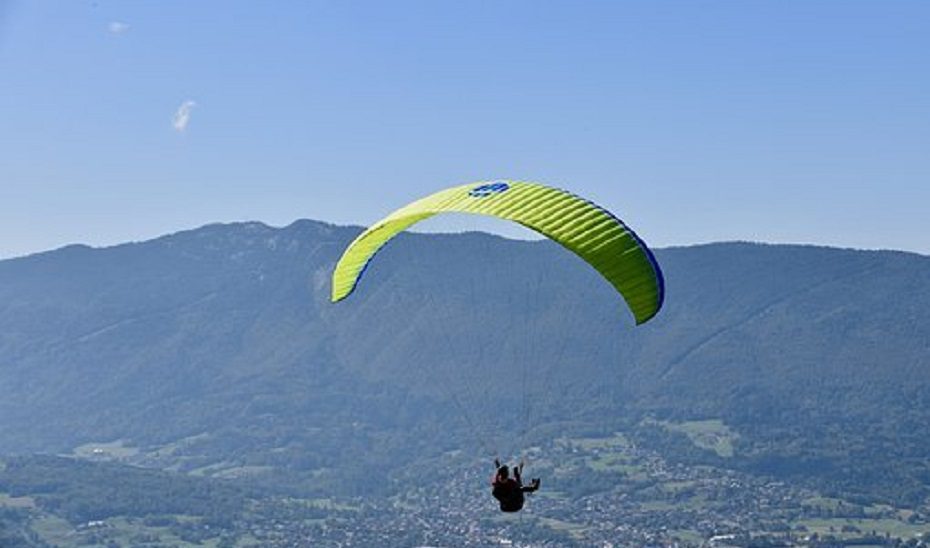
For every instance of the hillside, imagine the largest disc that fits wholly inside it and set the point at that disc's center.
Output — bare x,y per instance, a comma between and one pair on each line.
216,351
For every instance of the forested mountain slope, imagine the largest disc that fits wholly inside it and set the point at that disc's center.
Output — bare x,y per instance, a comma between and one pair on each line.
217,350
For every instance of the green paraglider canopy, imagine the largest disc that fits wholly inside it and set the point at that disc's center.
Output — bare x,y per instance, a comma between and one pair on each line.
584,228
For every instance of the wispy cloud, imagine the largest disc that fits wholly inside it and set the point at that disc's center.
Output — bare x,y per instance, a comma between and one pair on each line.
117,27
183,115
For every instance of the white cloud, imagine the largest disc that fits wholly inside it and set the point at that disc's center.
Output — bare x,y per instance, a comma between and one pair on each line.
183,115
117,27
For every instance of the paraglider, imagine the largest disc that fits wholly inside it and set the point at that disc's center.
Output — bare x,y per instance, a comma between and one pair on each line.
582,227
509,490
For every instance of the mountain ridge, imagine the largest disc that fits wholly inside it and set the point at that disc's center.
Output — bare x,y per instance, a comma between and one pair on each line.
224,335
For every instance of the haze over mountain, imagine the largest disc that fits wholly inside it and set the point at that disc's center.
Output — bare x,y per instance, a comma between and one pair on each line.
216,350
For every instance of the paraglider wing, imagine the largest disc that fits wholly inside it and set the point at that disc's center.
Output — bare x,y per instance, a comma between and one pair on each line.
586,229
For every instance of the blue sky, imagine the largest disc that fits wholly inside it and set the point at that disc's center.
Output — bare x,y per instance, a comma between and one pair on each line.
695,121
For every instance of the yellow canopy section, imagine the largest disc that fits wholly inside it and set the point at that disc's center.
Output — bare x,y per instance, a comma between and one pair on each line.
582,227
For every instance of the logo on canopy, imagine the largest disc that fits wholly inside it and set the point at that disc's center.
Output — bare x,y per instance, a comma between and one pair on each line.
488,189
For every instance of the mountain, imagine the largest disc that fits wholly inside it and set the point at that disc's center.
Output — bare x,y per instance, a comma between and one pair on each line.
216,352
